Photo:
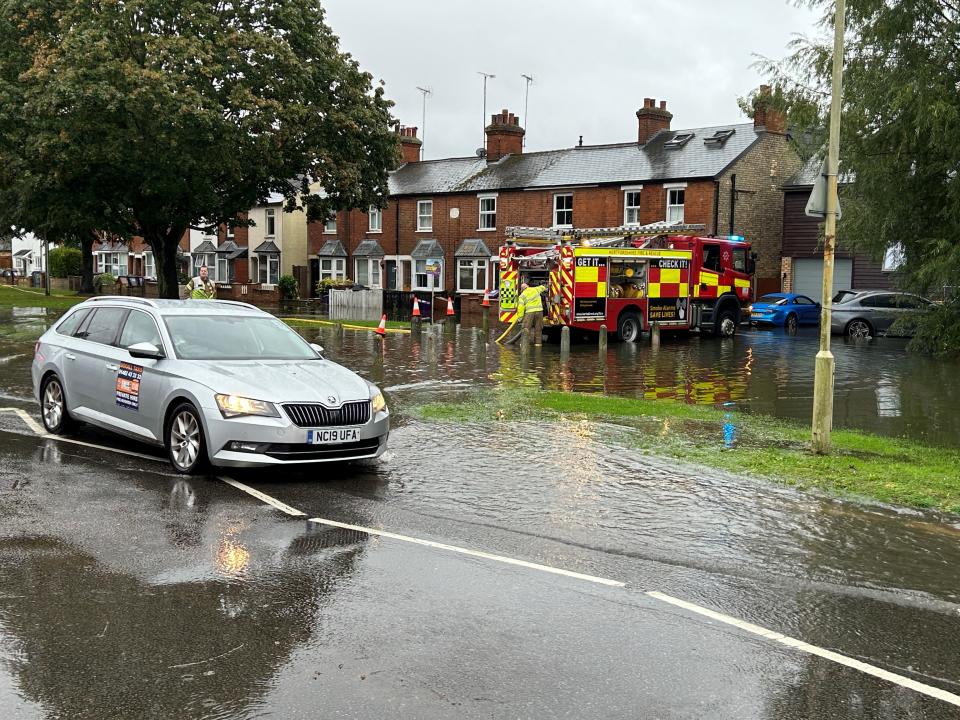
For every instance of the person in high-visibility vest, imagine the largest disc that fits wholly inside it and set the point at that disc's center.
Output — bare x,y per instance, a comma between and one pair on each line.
201,287
530,310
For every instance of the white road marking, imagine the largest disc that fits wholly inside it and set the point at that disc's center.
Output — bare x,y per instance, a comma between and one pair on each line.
472,553
772,635
282,507
790,642
31,423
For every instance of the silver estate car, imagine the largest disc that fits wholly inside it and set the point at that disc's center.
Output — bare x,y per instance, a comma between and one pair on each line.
868,313
211,381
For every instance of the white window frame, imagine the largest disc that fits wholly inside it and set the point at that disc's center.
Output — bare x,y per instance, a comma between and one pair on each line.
337,269
110,262
205,259
374,220
330,225
270,223
414,272
272,269
476,265
149,266
23,264
421,227
557,211
374,272
670,190
223,271
493,274
486,214
629,190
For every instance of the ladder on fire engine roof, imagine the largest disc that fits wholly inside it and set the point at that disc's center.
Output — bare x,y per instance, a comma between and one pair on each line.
598,237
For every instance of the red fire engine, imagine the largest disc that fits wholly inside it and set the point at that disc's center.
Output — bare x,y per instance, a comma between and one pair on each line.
628,278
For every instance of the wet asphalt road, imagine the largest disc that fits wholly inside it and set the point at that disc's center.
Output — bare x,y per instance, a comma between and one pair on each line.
129,592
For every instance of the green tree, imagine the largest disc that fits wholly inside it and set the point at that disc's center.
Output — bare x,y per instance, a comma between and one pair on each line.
901,118
148,117
65,261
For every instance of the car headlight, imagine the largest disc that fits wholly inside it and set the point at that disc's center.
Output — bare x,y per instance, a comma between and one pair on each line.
378,403
232,406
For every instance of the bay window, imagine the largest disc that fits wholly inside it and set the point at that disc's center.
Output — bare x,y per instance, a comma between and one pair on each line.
472,275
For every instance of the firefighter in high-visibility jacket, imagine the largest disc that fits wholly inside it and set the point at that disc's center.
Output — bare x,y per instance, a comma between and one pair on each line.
201,287
530,310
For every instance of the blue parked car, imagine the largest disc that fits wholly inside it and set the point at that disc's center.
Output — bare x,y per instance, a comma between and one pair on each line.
785,310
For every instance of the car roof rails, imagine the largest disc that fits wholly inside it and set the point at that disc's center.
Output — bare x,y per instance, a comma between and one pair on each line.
121,298
235,303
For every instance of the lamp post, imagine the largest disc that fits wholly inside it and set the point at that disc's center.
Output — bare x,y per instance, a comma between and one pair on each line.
825,364
486,76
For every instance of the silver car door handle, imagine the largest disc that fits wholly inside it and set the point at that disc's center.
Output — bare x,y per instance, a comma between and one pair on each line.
70,356
112,367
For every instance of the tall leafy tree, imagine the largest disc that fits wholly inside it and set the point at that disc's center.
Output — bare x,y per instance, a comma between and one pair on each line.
147,117
901,121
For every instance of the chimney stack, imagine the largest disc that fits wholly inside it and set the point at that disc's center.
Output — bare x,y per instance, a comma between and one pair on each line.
504,136
765,117
409,144
652,119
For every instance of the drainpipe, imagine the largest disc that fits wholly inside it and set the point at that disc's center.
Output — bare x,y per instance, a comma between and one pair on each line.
733,200
716,207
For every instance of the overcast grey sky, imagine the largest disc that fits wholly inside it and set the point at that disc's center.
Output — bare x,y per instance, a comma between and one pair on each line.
593,61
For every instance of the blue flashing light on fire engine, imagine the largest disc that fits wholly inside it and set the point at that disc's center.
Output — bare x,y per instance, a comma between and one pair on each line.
735,238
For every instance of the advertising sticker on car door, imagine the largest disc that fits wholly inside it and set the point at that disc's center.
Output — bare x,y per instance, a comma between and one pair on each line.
128,385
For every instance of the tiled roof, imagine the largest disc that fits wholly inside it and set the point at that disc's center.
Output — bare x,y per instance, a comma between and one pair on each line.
22,253
369,248
473,248
205,247
588,165
267,248
425,249
333,248
807,175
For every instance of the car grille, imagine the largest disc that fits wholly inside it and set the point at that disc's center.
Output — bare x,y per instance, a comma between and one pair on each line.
343,451
315,415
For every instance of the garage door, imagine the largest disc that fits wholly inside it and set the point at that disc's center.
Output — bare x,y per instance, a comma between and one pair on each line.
808,276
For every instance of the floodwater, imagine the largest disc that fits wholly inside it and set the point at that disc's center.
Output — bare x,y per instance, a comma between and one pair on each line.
879,386
873,582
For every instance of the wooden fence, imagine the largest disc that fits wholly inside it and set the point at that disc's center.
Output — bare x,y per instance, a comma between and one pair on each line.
356,304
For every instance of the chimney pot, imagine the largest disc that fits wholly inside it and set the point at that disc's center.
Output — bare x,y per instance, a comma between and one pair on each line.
652,119
504,136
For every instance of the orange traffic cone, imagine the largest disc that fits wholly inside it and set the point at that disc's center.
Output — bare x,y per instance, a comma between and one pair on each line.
450,306
382,327
486,298
416,307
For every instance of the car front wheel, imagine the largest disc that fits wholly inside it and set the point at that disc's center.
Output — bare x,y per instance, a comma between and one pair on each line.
186,446
53,407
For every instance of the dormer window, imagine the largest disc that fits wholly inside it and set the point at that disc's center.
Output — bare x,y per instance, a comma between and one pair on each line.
678,140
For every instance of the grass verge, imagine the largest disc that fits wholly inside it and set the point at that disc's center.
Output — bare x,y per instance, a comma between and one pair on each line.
887,469
11,296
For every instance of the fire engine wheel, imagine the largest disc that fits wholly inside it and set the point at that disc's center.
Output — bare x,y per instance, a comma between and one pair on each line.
628,327
726,325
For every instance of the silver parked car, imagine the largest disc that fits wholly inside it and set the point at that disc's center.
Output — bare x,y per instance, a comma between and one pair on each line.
211,381
868,313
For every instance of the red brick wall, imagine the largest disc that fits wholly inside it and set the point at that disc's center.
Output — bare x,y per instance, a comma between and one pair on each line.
592,207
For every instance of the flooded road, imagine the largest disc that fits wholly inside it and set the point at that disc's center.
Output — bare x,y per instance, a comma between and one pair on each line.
238,612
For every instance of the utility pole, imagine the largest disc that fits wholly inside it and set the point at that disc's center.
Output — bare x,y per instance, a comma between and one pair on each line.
486,76
825,364
526,104
423,120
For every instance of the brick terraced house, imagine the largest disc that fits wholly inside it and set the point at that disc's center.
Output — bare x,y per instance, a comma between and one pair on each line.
456,210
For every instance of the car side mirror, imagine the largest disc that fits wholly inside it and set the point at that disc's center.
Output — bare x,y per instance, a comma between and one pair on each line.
318,348
145,350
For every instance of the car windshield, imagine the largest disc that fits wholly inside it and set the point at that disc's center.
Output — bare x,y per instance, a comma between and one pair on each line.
230,337
772,300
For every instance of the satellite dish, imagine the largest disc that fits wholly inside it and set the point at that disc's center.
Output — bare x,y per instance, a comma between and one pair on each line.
481,152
